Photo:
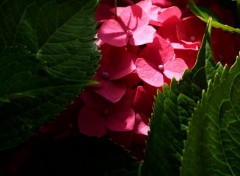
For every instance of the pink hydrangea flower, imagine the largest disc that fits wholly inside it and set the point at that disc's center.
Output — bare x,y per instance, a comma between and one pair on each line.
182,33
143,105
121,116
159,61
168,29
98,115
190,31
117,62
168,13
130,26
110,90
144,98
151,10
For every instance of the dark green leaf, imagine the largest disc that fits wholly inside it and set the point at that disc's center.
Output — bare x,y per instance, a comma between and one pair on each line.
47,55
212,147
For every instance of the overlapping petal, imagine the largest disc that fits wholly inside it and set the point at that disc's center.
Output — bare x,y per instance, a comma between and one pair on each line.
122,116
142,36
91,122
187,33
113,33
121,120
117,61
175,68
149,73
110,90
133,17
170,12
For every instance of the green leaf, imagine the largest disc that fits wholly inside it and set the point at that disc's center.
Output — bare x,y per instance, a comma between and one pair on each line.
164,146
205,69
172,111
47,56
204,15
212,147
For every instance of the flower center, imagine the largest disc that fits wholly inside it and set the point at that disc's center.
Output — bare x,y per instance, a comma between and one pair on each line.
105,75
129,33
161,68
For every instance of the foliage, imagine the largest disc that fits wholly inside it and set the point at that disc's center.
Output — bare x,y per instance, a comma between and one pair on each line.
213,137
46,57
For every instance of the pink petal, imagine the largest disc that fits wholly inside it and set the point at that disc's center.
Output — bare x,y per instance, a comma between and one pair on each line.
175,68
191,45
121,120
99,42
121,116
189,56
158,52
118,62
133,17
183,46
91,123
93,100
141,126
191,30
142,35
162,3
150,10
146,5
112,32
126,101
169,13
144,98
132,79
166,50
119,10
168,29
112,91
153,15
148,74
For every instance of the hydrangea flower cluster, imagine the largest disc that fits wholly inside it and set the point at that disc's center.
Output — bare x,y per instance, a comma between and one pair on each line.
144,44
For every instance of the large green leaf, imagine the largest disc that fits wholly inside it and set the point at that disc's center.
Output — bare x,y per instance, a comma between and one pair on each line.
213,141
172,111
47,55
